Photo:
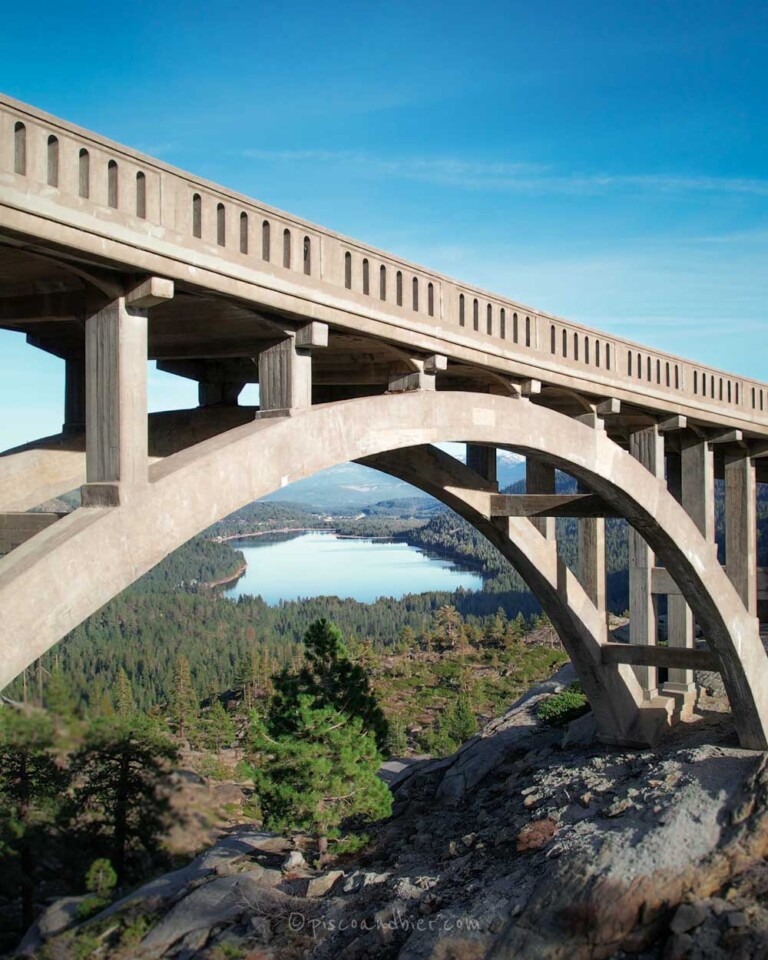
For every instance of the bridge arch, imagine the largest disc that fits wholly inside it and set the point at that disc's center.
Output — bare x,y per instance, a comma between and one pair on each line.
84,560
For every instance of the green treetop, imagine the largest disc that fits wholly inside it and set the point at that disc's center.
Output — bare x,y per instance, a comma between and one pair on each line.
321,773
329,678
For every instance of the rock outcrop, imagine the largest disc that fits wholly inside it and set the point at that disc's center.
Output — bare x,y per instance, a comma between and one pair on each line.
529,842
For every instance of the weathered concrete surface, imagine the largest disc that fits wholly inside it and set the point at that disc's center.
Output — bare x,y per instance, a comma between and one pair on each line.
192,489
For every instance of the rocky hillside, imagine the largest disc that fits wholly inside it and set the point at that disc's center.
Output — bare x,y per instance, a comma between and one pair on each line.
530,842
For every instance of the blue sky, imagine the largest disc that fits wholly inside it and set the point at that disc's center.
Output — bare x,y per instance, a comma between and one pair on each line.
604,161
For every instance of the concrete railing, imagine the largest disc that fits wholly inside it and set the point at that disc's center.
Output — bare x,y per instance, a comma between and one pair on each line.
80,171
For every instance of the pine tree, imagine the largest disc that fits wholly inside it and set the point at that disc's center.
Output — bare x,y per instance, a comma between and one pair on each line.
218,728
125,705
30,784
447,625
118,772
320,774
59,698
184,705
329,678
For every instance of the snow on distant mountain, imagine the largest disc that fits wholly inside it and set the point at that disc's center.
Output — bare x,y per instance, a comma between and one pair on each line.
353,487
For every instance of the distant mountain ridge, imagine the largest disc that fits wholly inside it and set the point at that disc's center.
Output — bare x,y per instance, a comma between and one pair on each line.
355,488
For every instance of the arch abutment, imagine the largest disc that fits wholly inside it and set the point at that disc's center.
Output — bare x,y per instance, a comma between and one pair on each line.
285,371
614,694
646,446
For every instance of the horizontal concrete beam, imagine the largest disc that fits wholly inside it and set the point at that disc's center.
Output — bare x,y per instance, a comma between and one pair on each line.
662,582
680,658
17,528
550,505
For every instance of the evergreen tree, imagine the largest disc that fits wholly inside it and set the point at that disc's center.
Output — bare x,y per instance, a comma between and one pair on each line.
184,705
459,721
59,698
320,774
125,705
447,626
329,678
30,784
218,728
118,773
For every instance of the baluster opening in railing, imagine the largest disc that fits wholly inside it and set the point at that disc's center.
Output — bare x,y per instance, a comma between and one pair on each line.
84,174
552,339
607,356
197,216
575,346
307,257
382,282
462,318
565,343
415,286
141,196
503,323
430,300
586,350
527,331
489,320
20,149
266,232
366,277
515,332
221,225
243,232
597,353
53,161
112,184
287,248
399,288
475,315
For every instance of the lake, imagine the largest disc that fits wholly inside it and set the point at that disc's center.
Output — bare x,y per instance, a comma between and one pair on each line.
323,564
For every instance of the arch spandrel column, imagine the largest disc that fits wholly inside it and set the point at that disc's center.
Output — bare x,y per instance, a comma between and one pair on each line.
57,579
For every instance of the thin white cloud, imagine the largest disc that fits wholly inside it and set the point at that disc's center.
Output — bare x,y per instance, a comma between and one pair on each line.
513,177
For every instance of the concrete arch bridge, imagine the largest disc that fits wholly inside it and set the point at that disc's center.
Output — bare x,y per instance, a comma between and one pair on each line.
109,259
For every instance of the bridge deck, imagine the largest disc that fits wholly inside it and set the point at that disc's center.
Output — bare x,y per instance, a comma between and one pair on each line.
69,197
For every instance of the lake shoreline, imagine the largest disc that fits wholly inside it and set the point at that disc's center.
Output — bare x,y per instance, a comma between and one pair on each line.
322,562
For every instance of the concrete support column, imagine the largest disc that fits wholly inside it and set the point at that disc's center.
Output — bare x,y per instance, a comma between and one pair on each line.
482,460
74,394
116,401
285,371
647,446
592,558
540,478
741,528
690,478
